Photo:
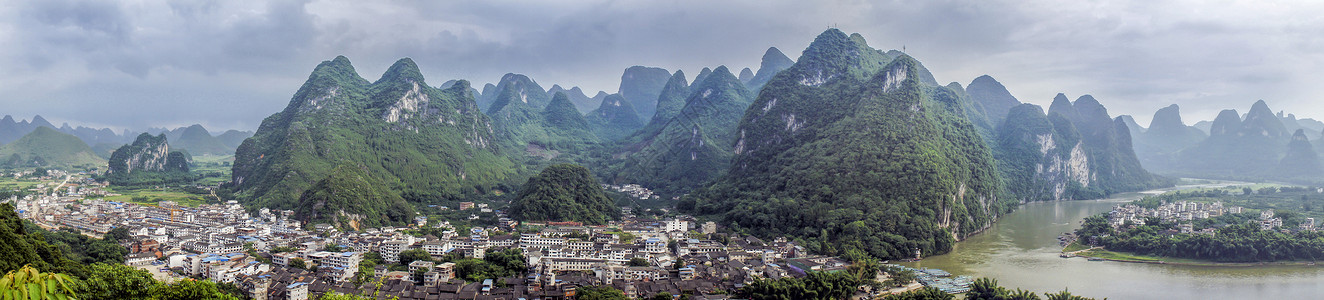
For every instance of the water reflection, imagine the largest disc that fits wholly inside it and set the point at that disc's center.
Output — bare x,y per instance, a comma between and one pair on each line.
1021,250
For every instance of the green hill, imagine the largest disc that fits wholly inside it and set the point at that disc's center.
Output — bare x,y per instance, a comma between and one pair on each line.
854,148
694,146
523,121
563,192
148,161
350,198
45,147
614,119
427,144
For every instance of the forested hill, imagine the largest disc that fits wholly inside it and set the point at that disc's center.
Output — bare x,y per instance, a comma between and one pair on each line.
563,192
423,142
855,148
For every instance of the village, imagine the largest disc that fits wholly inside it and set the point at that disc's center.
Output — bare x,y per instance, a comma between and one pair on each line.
269,255
1183,212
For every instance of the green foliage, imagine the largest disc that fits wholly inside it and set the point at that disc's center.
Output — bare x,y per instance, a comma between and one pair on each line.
48,148
298,263
351,198
815,285
988,289
148,161
563,192
409,256
638,262
189,289
28,283
426,144
1238,242
24,247
927,293
602,292
877,160
84,249
116,281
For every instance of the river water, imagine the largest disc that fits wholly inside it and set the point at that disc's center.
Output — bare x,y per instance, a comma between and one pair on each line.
1021,251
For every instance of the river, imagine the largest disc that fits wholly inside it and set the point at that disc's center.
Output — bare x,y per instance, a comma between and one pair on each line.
1021,251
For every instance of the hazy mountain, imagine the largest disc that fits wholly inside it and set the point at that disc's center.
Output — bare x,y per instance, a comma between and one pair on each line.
45,147
745,75
1301,160
197,141
614,119
1136,129
422,142
233,138
773,61
694,146
1167,135
519,116
992,98
576,96
640,86
669,104
1236,148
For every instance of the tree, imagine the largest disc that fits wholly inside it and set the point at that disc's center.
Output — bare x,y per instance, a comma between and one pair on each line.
115,281
298,263
661,296
1065,295
409,256
599,293
927,293
28,283
638,262
899,277
189,289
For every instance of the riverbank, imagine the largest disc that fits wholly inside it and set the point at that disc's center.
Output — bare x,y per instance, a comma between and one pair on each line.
1145,259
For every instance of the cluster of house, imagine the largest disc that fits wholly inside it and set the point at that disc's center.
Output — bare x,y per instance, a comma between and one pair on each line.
634,190
1182,212
225,243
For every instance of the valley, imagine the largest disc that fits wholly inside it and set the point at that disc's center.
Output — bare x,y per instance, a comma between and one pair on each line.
469,157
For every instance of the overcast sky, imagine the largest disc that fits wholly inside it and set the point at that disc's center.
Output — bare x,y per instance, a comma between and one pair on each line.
228,64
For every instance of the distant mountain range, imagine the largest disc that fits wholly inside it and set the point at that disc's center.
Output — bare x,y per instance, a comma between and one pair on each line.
195,138
1257,145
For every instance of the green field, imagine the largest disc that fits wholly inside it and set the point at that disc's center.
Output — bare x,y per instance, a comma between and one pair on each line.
1105,254
214,169
153,196
1074,246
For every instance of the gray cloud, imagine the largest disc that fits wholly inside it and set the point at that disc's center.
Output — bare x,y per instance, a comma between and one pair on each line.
228,64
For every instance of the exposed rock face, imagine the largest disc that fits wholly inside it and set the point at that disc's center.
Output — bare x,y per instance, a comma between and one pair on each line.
147,154
1077,150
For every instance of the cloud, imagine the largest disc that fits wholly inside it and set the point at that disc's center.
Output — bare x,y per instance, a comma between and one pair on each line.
228,64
